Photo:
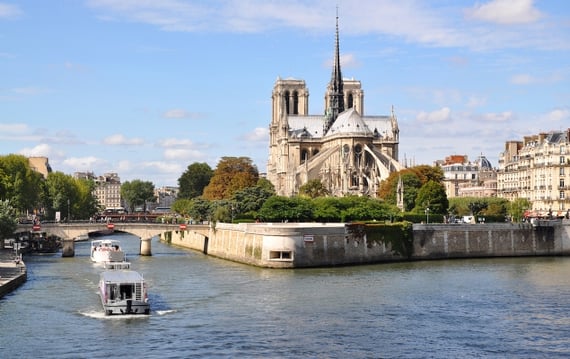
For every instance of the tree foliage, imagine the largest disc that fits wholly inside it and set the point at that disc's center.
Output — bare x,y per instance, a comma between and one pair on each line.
517,208
8,222
19,183
193,181
432,195
231,175
281,209
70,196
313,189
137,193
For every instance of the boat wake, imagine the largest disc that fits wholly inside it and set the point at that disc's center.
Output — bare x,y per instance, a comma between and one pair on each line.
164,312
101,315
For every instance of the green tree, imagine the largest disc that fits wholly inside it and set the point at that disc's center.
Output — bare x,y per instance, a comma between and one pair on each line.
20,184
313,189
364,208
477,206
201,209
193,181
250,200
231,175
432,195
517,208
279,209
8,221
182,206
137,193
62,195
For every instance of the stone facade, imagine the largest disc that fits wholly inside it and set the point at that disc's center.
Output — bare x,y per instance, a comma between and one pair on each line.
463,178
348,152
538,169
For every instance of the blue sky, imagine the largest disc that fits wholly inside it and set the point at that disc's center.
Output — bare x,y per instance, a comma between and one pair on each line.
145,88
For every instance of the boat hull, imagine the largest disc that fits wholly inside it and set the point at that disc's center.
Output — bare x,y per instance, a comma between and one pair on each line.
107,250
123,292
125,307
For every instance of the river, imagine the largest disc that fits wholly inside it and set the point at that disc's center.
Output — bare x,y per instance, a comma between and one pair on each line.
205,307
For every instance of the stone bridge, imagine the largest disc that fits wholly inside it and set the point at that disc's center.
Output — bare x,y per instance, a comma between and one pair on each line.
68,231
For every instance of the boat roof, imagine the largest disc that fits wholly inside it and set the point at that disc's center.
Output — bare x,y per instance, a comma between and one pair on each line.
102,241
121,276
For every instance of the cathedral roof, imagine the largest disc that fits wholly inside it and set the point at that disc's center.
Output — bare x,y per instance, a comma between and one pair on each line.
350,123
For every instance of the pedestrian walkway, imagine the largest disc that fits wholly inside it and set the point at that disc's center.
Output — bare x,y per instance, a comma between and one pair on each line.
12,272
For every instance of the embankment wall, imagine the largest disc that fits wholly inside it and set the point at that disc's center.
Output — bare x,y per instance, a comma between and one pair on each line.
298,245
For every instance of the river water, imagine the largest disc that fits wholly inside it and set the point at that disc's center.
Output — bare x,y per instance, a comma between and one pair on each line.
205,307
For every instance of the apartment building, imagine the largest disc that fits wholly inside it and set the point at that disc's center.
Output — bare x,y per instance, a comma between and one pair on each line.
538,169
463,178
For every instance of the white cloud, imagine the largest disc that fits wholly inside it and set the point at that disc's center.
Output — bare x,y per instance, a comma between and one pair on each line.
14,128
83,163
182,154
522,79
505,12
412,21
9,11
441,115
258,134
175,142
559,114
30,90
498,117
119,139
476,101
180,113
42,150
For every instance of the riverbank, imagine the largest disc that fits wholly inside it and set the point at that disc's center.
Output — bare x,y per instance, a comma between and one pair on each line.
12,273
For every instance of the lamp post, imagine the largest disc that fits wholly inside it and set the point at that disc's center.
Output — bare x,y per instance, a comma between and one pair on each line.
68,211
427,215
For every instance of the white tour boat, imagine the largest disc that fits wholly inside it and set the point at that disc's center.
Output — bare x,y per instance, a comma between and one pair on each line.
123,291
107,250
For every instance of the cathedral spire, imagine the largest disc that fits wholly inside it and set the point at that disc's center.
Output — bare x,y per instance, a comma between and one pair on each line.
336,104
336,79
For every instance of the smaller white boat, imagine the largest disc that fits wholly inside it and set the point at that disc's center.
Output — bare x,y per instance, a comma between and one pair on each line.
123,291
107,250
81,238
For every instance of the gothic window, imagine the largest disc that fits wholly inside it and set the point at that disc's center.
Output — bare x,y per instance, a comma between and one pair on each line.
295,103
304,156
350,100
286,95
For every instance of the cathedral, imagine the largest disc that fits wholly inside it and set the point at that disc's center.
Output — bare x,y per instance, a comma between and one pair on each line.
350,153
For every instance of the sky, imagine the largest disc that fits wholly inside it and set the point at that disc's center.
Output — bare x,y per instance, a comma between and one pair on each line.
145,88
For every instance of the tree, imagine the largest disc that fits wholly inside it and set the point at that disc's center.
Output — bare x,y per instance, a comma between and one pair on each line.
477,206
193,181
313,189
19,183
517,208
201,209
137,193
432,195
279,209
250,200
62,194
8,221
231,175
411,182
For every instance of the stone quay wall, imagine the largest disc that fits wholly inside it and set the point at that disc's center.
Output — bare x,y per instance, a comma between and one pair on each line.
298,245
491,240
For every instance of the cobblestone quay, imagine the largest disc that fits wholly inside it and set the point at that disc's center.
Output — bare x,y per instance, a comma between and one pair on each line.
12,272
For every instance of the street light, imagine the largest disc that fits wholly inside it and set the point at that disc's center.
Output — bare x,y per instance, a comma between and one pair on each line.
427,215
68,212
